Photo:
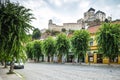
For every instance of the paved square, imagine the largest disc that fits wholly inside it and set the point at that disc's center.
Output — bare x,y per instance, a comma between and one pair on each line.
42,71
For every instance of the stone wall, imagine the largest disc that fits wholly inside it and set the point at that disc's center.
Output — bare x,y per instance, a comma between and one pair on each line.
67,26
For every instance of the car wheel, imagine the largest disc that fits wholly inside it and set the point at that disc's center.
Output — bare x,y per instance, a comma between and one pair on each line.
23,67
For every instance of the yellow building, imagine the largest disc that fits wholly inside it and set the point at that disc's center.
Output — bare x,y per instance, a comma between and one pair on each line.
93,55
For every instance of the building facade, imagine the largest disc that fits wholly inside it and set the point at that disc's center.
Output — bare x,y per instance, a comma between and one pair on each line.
89,15
93,55
66,26
100,15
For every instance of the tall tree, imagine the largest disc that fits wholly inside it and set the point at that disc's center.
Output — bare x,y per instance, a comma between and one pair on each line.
14,25
62,45
108,40
49,48
29,50
63,30
79,43
36,34
37,49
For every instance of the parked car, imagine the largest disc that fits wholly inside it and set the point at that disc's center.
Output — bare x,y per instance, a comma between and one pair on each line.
8,63
19,65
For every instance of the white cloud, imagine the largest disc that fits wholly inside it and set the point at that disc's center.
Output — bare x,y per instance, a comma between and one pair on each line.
34,4
84,4
69,1
63,11
118,5
42,12
56,2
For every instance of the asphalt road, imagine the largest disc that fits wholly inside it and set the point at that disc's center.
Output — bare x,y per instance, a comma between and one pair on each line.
42,71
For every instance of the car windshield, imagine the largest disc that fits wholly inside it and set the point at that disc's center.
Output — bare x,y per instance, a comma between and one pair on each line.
19,61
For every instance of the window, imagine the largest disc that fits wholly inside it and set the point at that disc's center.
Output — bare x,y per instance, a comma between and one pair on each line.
91,42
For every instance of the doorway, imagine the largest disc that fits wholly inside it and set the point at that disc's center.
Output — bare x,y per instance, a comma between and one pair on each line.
99,58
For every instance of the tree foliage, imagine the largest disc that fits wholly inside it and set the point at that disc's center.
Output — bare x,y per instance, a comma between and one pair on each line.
29,50
14,24
54,33
37,49
62,44
36,34
34,50
108,39
49,47
63,30
79,42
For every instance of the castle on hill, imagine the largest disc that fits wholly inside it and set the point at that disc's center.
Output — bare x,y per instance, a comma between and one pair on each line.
90,17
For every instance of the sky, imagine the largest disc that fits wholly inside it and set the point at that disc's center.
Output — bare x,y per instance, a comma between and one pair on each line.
67,11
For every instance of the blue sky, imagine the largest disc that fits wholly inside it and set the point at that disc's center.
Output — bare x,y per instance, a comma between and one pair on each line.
67,11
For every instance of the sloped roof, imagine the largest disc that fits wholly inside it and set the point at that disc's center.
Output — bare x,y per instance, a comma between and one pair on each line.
91,9
99,12
93,29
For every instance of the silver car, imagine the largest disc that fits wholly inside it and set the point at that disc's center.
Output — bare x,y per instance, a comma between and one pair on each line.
19,65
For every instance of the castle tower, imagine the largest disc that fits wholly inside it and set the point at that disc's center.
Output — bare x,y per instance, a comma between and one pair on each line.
100,15
109,18
50,21
89,15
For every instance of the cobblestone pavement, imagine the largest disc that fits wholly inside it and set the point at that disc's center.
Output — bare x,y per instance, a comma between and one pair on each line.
42,71
5,76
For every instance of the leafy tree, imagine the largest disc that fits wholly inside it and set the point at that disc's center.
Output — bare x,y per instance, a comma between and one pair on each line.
49,48
108,39
62,45
29,50
48,32
29,37
37,49
71,31
36,34
79,43
54,33
14,25
106,20
63,30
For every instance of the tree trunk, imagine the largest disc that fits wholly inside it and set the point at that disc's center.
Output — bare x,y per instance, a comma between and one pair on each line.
67,57
5,66
80,61
42,58
52,58
2,62
60,58
31,58
35,60
89,59
48,59
11,67
38,58
63,58
78,58
109,61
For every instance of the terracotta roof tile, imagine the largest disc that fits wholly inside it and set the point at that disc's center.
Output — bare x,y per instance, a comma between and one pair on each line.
93,29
